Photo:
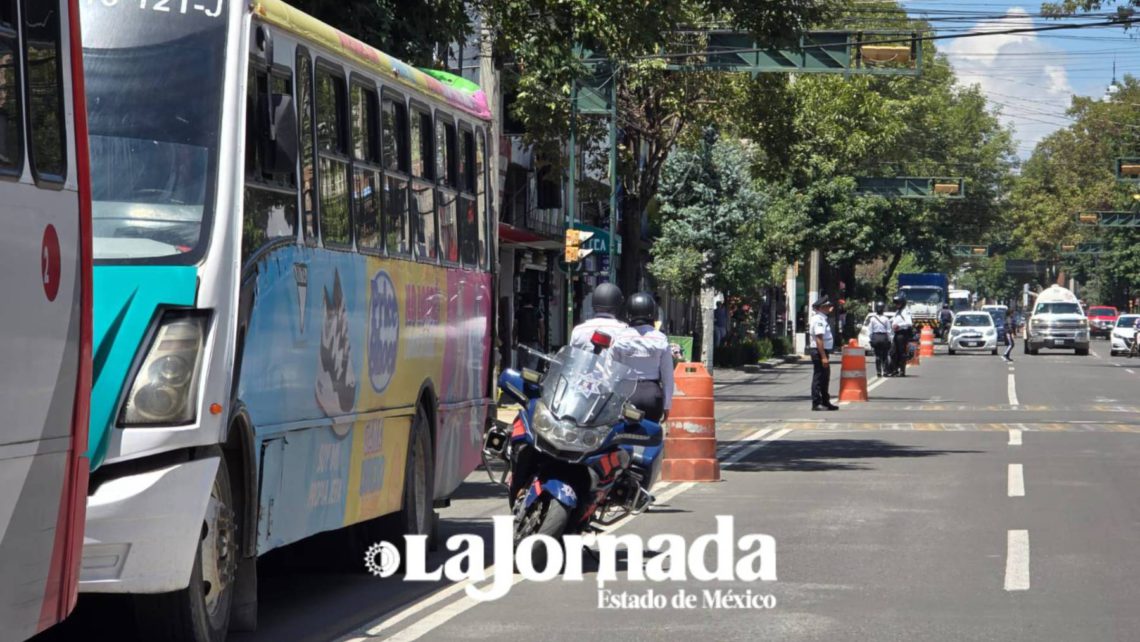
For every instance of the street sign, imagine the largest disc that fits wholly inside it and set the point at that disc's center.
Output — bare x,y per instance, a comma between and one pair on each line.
574,240
596,239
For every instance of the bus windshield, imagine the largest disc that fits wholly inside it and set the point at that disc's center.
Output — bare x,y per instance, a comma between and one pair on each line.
154,100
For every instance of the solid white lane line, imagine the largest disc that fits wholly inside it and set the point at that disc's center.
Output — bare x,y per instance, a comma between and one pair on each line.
434,620
1129,371
1017,561
876,383
1012,388
1016,480
729,448
1014,437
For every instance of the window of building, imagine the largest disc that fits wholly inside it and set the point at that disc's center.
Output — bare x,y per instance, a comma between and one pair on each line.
11,131
43,77
333,161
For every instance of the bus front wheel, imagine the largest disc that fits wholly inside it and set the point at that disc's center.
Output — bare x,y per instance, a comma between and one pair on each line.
201,611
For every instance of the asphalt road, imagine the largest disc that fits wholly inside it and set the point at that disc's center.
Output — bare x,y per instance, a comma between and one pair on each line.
972,500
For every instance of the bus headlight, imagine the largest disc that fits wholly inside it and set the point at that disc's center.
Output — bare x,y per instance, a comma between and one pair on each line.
166,384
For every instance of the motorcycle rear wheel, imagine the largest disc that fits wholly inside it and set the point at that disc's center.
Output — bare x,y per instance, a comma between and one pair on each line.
545,517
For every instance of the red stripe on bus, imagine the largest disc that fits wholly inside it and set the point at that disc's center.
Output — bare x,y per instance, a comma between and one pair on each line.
61,591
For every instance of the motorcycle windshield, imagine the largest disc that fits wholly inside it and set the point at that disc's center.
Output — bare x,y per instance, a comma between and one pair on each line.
586,388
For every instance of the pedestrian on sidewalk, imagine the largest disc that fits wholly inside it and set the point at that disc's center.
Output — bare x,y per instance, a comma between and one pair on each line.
879,325
822,343
1010,330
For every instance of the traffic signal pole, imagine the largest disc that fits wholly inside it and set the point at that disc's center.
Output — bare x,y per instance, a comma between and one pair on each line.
571,193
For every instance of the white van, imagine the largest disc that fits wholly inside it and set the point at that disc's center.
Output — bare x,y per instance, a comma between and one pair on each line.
1058,321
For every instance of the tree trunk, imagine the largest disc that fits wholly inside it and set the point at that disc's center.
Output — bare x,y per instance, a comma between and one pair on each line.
894,264
708,310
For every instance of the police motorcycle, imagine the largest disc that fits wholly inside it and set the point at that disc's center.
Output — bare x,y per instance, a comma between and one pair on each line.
578,454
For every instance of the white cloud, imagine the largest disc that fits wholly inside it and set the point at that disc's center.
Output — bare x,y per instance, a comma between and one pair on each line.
1021,75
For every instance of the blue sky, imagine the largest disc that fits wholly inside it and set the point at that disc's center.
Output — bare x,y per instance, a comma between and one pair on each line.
1030,77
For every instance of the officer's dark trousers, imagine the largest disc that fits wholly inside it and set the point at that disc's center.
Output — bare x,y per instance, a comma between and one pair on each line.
900,353
881,343
649,398
820,381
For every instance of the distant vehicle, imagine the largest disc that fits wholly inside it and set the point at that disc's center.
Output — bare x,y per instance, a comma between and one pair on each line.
1057,322
973,331
960,301
1102,319
1122,334
865,332
925,293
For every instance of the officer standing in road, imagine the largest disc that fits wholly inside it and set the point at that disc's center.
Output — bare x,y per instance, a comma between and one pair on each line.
945,320
879,326
607,303
903,327
646,351
821,346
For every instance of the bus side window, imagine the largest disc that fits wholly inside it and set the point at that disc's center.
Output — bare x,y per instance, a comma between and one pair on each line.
270,207
11,131
44,87
423,187
469,237
446,197
308,173
365,172
332,156
394,137
484,223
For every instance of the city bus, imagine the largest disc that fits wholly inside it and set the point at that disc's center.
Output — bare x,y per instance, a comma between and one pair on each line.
293,297
45,322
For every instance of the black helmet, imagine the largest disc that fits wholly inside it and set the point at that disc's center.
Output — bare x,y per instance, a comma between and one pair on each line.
641,309
608,299
899,300
945,306
880,307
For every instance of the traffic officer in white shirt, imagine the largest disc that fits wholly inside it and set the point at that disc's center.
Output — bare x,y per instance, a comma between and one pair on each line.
903,327
879,327
645,350
608,301
820,348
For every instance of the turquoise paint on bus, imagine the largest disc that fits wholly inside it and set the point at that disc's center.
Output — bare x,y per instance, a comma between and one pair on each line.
125,300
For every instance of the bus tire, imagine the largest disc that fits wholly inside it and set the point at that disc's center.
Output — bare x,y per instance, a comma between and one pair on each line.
417,515
201,611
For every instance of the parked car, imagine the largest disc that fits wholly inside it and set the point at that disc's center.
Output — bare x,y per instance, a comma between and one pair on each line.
1122,334
973,331
865,333
1102,319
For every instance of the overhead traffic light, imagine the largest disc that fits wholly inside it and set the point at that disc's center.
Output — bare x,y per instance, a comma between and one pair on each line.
574,240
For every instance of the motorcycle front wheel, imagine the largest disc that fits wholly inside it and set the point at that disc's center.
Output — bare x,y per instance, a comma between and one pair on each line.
546,516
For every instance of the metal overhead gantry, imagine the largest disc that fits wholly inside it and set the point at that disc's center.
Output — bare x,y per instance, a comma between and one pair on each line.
914,187
1109,219
970,250
850,53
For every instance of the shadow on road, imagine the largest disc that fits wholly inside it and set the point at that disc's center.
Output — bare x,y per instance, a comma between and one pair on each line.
816,455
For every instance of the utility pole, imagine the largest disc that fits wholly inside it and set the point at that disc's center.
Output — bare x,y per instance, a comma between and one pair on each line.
613,176
571,213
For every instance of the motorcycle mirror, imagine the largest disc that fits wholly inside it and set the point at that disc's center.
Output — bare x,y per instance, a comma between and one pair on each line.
531,376
601,340
631,413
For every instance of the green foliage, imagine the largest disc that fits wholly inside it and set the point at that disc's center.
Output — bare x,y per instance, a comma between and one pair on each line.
710,208
1072,170
412,31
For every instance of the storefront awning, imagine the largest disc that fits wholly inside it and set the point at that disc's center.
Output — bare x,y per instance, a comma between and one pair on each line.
511,236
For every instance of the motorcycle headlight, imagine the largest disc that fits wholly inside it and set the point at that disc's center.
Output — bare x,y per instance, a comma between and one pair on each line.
165,386
565,434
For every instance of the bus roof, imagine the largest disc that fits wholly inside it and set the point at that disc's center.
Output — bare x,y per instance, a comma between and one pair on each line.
453,90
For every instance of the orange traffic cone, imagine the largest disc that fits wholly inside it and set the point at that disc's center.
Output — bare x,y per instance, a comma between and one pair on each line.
915,357
926,344
853,375
690,433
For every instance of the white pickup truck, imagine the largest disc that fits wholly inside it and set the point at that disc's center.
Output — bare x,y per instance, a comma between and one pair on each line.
1057,322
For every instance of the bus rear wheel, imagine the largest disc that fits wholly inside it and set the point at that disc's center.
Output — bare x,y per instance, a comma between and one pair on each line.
417,517
201,611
